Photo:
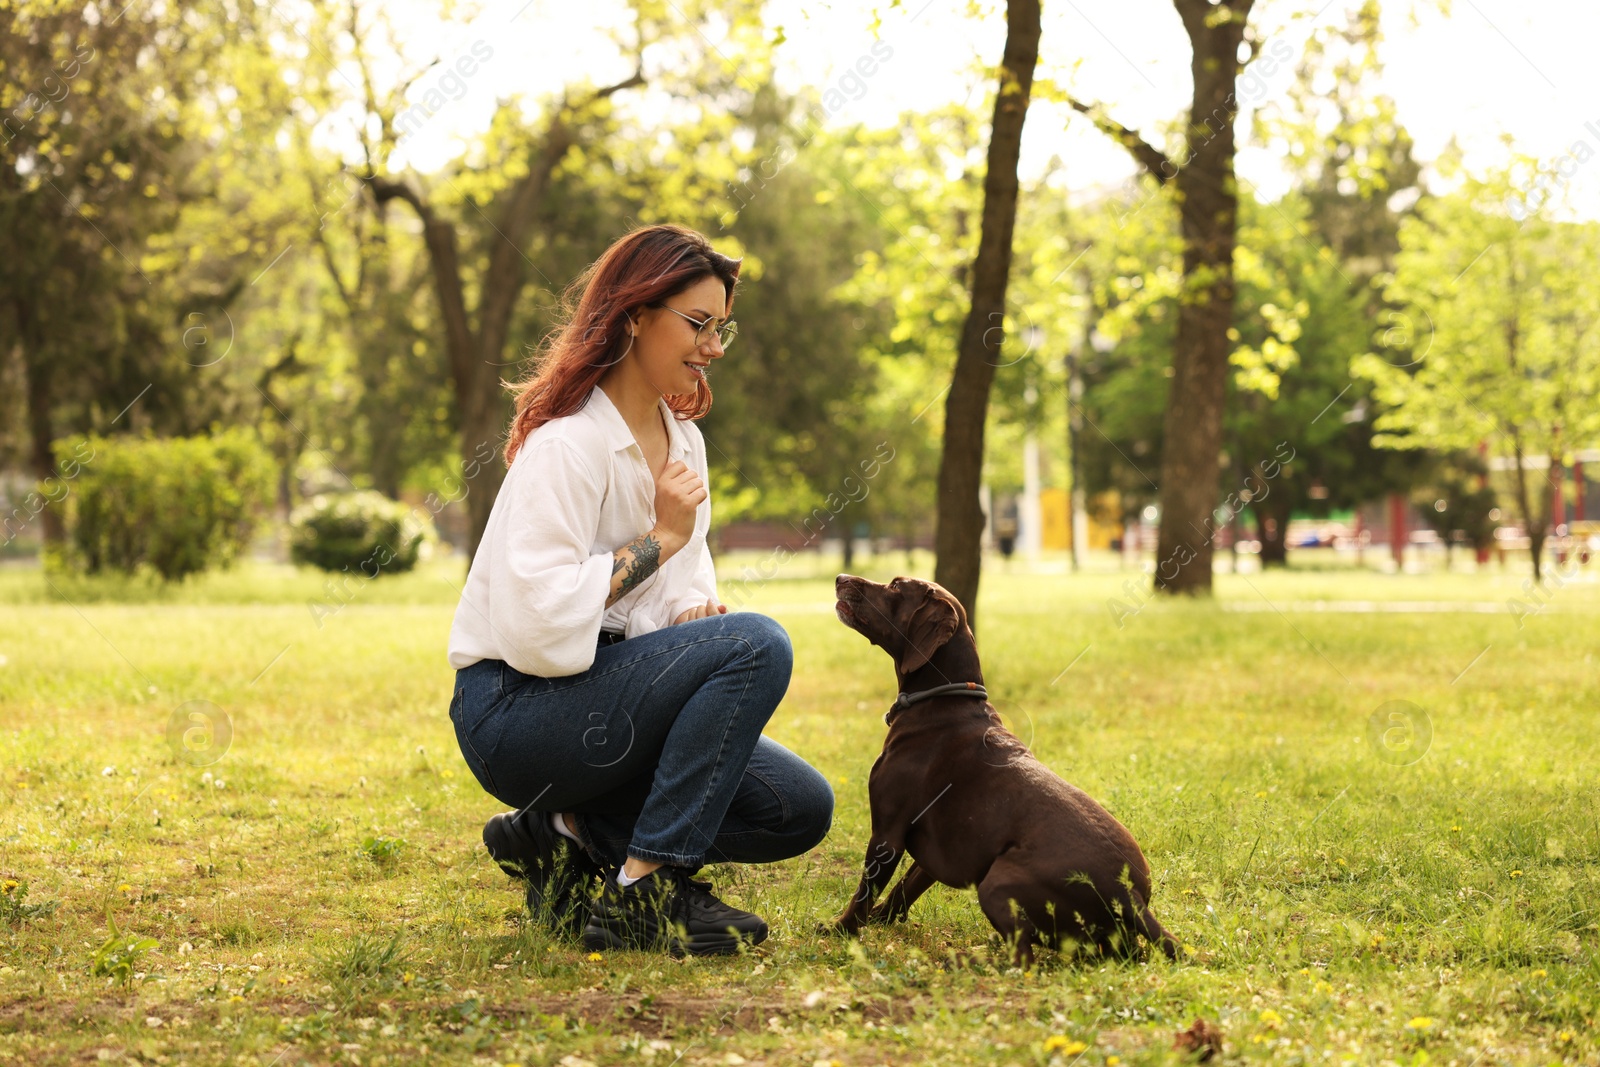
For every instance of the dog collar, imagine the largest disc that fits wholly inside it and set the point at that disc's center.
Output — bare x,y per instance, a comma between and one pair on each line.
905,700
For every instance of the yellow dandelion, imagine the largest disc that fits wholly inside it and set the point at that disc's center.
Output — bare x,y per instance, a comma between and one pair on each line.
1340,861
283,979
1420,1024
1541,973
406,979
236,998
1516,874
596,956
1112,1061
1261,792
1271,1018
9,884
22,785
124,888
1063,1044
1566,1036
1455,829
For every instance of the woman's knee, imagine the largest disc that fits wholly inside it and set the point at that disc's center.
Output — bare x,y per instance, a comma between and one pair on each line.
810,808
764,635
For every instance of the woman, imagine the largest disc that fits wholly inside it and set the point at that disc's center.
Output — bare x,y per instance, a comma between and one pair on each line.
601,688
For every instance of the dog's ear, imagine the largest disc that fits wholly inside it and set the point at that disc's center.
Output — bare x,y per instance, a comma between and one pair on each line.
932,625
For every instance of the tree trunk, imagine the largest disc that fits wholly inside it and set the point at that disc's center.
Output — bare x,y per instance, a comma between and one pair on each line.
1531,521
1272,528
958,537
41,432
1208,206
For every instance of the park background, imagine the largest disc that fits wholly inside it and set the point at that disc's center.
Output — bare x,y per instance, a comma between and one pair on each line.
267,266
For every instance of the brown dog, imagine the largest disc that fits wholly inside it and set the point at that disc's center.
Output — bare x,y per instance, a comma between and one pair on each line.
973,806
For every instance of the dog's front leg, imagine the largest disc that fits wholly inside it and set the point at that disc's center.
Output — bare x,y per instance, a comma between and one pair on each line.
882,859
897,904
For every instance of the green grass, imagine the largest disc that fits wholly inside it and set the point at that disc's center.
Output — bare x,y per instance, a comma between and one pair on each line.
320,894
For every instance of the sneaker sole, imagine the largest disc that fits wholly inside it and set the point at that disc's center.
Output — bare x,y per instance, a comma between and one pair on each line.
599,939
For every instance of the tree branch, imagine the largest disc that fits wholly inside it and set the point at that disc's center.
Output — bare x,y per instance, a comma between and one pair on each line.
634,79
440,237
1154,161
345,296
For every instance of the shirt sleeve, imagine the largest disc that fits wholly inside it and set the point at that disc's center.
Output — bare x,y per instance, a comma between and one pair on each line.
549,590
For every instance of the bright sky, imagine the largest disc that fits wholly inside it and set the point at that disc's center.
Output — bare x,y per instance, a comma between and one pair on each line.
1520,67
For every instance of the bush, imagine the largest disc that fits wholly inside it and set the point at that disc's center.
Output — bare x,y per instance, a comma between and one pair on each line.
363,532
176,504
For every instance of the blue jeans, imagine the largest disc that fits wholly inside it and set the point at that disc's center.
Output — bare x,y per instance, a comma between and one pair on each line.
656,749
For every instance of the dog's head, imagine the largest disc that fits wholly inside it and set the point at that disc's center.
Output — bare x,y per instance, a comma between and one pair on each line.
909,618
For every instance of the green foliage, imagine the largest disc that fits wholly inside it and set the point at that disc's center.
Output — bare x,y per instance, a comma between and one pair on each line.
1505,315
119,955
14,908
1499,296
382,850
176,505
1453,497
363,531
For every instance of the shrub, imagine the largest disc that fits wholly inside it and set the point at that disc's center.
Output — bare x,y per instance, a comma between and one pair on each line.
177,504
363,532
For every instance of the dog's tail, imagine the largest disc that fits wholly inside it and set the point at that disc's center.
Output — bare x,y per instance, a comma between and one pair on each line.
1152,929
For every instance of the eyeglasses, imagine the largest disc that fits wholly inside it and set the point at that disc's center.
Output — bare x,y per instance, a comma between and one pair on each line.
703,330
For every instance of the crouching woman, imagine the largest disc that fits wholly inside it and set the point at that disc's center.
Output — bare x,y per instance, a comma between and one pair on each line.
601,689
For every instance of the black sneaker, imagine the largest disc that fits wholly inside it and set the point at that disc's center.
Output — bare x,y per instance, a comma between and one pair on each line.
668,910
560,874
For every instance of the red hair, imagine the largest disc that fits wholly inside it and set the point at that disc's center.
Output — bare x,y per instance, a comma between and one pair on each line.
644,267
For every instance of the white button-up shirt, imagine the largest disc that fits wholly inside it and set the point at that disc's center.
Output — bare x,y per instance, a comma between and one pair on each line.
578,490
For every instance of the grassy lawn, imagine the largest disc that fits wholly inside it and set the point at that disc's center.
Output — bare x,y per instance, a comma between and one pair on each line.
320,895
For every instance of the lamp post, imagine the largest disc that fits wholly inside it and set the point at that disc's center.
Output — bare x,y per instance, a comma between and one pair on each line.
1080,524
1030,513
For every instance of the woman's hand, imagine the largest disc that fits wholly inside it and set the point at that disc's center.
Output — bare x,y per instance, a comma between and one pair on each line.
706,610
679,492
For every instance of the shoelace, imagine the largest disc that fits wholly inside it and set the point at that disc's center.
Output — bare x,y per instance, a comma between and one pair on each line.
700,893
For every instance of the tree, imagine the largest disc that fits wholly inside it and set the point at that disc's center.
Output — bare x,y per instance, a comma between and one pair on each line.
1512,352
958,539
1355,180
110,162
503,196
1298,324
1454,497
475,339
914,259
1204,184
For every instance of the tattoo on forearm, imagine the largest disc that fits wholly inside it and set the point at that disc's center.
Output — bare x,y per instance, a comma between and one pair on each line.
641,557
